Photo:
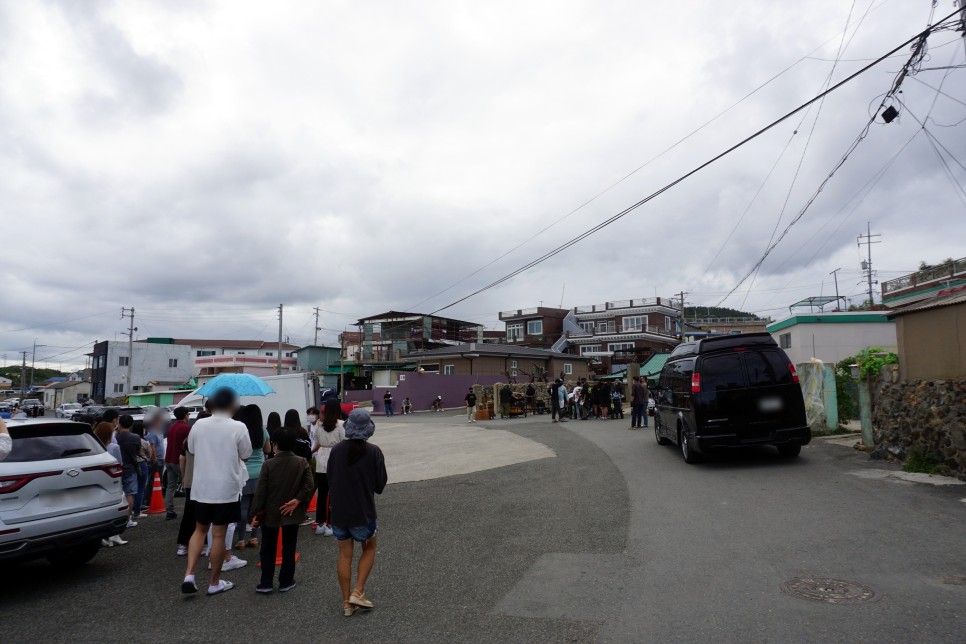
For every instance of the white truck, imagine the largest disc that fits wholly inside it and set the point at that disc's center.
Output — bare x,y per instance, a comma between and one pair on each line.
298,391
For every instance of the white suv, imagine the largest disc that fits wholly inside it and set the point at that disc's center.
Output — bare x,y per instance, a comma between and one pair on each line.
60,493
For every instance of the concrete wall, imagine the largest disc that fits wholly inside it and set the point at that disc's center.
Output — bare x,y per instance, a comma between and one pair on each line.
833,342
932,343
149,362
422,389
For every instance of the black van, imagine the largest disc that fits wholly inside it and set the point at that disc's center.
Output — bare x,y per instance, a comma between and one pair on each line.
730,391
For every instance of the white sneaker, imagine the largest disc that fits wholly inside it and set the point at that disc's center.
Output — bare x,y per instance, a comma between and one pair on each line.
320,530
106,544
117,540
131,523
182,551
328,532
233,564
141,516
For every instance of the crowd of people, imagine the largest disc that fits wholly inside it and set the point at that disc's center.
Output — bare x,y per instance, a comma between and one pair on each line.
601,400
253,478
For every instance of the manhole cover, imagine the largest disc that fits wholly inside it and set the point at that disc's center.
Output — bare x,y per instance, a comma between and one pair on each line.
955,580
830,591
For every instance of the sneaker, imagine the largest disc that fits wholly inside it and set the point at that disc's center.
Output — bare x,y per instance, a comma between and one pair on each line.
306,522
327,531
319,530
286,587
141,516
117,540
106,544
171,515
222,587
131,523
264,590
189,586
233,564
182,551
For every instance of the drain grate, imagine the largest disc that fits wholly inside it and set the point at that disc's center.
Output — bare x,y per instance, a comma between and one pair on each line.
955,580
830,591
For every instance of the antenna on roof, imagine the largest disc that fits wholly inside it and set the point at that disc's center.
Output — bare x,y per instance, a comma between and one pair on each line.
562,291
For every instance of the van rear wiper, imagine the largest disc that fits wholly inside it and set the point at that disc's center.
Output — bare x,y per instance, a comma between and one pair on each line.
72,452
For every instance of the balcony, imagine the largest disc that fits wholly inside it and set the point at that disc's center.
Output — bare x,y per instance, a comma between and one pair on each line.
924,279
508,315
619,305
617,330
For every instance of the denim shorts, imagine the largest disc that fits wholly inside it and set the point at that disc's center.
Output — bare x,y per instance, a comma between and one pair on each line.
129,483
360,533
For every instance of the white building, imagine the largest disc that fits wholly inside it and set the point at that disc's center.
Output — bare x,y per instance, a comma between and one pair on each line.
5,383
150,362
212,357
832,337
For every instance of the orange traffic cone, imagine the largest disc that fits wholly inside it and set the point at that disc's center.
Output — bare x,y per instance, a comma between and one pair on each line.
157,497
313,506
278,550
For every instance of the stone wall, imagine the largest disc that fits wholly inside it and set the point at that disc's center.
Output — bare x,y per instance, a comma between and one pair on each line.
930,414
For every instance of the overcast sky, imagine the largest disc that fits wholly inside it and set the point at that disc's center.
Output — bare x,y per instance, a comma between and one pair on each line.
205,161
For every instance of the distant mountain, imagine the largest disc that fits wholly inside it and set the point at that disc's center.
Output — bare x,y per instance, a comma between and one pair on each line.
693,312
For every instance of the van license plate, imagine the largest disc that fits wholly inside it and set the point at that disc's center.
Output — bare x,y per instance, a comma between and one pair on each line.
770,404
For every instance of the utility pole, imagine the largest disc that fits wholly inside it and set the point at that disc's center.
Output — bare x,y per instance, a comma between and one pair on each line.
342,365
278,361
129,313
835,274
317,328
681,295
23,376
33,361
868,238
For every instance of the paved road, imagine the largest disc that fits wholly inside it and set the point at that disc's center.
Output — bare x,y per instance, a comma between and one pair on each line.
613,539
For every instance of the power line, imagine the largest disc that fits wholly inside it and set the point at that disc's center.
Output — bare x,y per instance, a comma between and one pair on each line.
920,37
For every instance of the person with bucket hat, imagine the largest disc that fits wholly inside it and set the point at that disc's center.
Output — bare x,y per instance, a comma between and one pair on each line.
356,473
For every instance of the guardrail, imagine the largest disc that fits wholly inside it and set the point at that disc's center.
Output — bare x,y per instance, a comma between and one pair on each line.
956,268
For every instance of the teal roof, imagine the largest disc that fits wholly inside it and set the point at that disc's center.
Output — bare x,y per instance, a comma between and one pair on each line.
654,365
828,318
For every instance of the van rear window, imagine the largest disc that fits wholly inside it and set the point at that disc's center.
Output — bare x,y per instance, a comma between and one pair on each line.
44,443
767,368
721,373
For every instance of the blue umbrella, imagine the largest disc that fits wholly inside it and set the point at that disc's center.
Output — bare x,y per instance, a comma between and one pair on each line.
243,384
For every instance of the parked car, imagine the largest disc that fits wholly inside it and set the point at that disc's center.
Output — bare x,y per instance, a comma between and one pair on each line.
32,407
730,391
94,414
67,410
60,493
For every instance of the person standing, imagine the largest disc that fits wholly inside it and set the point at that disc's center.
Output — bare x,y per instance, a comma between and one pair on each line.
129,446
647,401
220,446
638,403
173,474
283,492
251,415
470,406
357,472
387,402
105,434
6,443
328,434
531,395
506,396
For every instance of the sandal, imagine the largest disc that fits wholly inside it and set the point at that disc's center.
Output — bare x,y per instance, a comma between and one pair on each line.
359,599
348,609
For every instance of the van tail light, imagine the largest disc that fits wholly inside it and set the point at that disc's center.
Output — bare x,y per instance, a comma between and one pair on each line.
114,470
791,370
10,484
695,383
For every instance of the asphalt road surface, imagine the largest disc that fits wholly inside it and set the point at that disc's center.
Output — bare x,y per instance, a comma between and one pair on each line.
613,539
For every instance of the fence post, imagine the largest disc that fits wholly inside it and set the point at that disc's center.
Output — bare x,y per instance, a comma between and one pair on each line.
865,412
831,399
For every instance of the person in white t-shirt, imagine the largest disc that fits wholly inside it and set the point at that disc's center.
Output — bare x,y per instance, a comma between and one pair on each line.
6,443
220,447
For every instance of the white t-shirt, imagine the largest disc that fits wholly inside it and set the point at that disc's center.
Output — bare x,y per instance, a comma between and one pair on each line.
219,445
6,445
325,441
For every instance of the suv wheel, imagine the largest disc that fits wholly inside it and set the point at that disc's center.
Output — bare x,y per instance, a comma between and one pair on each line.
790,450
75,555
657,431
690,456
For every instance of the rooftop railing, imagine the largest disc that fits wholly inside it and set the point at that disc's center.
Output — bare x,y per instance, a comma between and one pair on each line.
926,277
627,304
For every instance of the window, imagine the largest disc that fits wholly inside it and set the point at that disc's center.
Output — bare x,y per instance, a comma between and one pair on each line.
620,346
736,333
514,373
289,355
568,368
119,387
513,364
123,361
535,327
239,353
269,354
767,368
202,354
722,373
667,323
172,363
586,327
449,369
785,340
606,327
635,323
589,348
514,332
432,368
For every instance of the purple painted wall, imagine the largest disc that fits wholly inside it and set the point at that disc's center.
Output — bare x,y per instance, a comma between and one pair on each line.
422,389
